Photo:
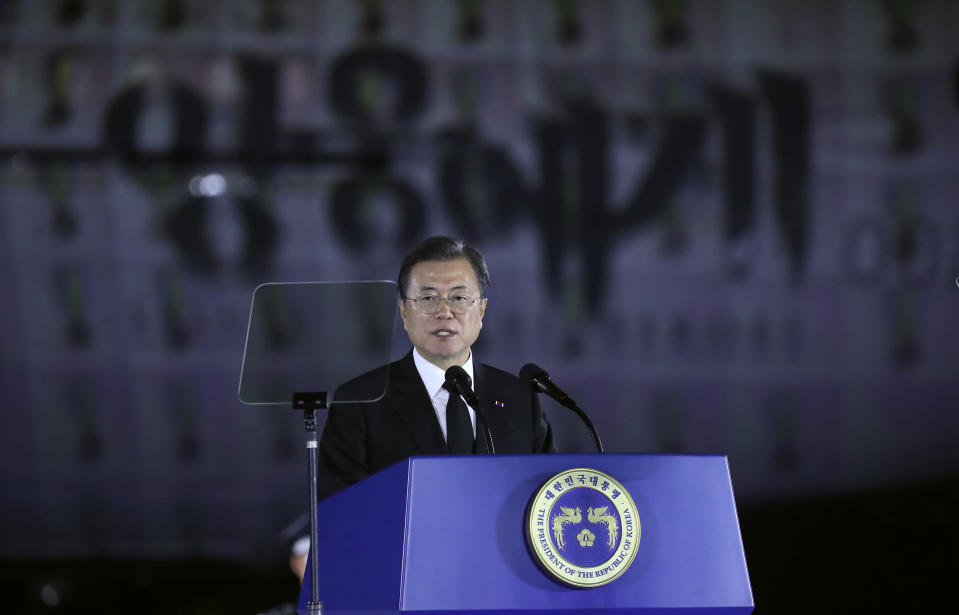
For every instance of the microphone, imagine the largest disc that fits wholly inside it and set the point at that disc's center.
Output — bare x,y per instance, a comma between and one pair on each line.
461,382
539,380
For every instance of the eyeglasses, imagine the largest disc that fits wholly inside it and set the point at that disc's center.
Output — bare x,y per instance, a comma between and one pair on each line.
431,304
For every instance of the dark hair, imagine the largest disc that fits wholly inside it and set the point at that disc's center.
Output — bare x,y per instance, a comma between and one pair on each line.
440,248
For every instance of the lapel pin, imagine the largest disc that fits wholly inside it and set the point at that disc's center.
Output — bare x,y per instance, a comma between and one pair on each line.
498,403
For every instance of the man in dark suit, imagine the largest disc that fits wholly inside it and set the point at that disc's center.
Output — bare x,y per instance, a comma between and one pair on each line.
443,285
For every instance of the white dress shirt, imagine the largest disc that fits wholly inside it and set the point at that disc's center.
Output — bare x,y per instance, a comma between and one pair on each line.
433,378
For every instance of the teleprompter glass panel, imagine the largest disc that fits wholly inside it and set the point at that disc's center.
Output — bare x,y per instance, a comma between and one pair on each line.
313,336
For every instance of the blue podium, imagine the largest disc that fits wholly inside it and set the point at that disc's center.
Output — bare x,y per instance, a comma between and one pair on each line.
448,535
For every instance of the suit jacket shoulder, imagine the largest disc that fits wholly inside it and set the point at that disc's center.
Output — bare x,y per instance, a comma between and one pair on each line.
366,387
362,438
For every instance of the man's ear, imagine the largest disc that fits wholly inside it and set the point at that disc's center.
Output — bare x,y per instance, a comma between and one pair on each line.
402,305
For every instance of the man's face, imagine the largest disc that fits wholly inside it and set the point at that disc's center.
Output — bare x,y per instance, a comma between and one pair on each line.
443,338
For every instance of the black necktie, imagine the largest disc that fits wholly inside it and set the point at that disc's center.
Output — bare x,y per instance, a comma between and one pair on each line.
459,430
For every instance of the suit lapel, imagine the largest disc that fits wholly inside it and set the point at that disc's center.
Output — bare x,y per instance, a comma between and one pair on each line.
412,404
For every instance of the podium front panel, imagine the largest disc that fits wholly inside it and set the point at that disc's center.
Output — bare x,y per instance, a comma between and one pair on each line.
463,546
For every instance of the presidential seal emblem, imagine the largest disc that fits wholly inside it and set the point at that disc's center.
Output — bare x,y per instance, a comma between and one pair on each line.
583,528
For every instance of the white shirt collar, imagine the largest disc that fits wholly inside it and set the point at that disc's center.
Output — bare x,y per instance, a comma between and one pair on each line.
433,377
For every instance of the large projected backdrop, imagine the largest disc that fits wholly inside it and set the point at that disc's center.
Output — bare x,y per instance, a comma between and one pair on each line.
724,228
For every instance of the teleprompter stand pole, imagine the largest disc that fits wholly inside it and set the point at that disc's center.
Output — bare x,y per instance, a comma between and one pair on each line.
309,403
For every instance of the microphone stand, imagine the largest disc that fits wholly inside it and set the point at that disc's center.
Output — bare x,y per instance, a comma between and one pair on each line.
539,380
481,418
309,403
462,385
572,405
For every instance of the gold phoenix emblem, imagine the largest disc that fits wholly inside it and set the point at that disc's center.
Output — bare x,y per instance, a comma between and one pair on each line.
598,515
603,501
566,517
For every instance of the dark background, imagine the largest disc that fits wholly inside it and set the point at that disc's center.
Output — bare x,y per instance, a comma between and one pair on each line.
724,227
